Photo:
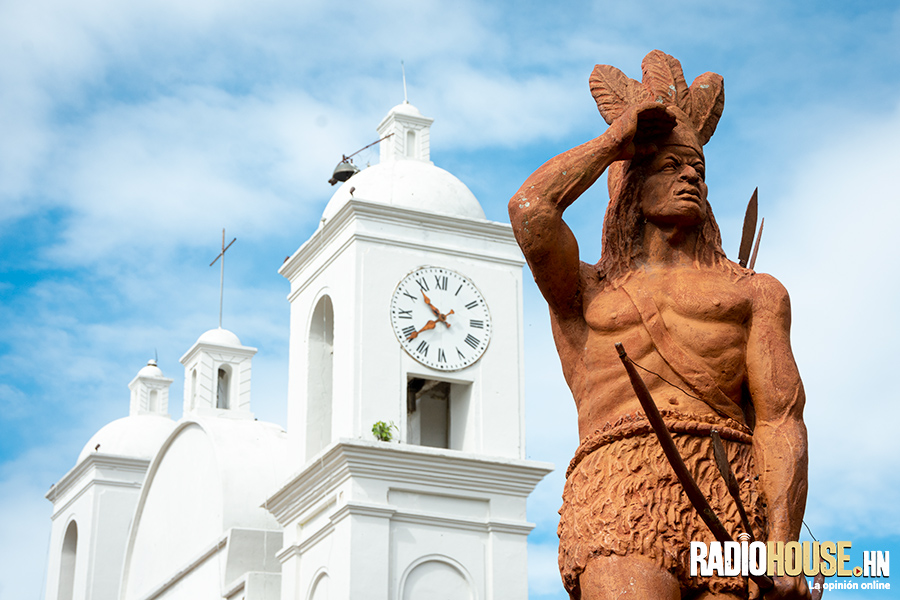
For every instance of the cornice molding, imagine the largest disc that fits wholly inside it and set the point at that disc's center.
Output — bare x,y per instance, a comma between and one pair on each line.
97,460
402,464
377,212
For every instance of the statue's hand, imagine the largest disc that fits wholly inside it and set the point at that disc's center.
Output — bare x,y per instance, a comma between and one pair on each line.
637,125
786,588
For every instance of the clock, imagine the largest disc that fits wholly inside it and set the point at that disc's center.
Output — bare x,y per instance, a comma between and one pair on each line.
440,318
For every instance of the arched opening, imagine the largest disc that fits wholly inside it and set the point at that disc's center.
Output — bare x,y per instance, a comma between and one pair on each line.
320,381
319,589
411,143
436,579
223,387
67,563
153,401
193,401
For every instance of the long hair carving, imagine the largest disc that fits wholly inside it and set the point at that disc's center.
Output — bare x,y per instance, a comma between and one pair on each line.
697,107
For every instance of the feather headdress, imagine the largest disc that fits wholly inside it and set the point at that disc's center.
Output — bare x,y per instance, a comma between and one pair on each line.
663,82
697,110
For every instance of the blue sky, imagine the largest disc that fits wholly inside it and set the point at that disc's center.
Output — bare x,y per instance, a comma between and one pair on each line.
132,132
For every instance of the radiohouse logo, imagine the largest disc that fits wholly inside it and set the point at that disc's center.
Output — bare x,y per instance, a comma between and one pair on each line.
776,559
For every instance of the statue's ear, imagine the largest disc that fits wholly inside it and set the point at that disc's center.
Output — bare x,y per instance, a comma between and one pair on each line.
664,78
614,91
707,94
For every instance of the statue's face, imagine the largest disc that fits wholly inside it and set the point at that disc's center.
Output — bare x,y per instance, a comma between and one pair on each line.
674,190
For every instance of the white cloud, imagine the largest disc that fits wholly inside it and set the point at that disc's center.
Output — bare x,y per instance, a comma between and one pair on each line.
159,175
833,244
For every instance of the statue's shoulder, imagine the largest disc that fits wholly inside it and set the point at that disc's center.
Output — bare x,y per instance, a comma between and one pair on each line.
767,292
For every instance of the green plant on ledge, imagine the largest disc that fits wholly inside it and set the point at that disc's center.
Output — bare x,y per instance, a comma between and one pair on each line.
382,431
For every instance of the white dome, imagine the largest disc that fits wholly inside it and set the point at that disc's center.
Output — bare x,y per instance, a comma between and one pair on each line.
408,184
151,370
137,436
220,337
405,108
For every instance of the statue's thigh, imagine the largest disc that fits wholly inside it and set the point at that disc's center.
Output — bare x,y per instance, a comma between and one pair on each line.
631,576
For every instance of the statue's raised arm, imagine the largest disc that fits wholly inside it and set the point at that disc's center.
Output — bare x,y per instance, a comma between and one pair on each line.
537,208
712,336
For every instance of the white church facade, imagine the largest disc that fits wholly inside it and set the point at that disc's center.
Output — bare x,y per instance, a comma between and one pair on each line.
405,309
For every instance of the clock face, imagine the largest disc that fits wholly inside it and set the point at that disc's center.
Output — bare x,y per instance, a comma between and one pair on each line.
440,318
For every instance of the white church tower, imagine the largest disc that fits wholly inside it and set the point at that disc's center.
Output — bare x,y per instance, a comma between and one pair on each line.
93,504
406,310
217,376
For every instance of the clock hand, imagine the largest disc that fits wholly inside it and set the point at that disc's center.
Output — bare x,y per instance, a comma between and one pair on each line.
436,312
428,325
441,317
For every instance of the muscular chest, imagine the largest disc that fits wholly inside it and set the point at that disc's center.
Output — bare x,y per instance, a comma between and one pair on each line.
681,296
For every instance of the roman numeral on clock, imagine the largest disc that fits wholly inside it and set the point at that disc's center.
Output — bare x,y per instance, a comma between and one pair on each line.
472,304
440,282
423,284
408,331
472,341
408,295
475,324
404,314
422,348
441,356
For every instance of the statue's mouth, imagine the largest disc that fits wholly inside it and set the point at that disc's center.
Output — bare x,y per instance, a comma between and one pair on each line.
691,194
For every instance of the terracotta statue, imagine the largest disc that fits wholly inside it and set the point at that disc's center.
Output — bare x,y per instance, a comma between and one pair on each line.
712,336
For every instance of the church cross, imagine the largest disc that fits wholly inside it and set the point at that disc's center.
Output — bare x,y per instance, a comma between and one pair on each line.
222,272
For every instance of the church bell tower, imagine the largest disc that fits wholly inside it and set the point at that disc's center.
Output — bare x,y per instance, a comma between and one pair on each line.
406,311
93,504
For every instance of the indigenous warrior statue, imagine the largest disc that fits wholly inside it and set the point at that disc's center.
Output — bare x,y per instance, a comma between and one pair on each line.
712,336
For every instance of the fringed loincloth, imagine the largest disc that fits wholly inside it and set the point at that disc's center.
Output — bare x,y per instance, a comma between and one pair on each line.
622,497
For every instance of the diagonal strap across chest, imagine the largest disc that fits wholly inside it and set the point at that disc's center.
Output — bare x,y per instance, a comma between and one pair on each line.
691,370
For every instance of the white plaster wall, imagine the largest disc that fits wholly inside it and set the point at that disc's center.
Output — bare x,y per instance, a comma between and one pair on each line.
413,543
181,512
113,512
202,583
508,550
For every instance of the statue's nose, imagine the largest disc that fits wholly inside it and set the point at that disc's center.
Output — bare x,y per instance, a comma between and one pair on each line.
689,173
